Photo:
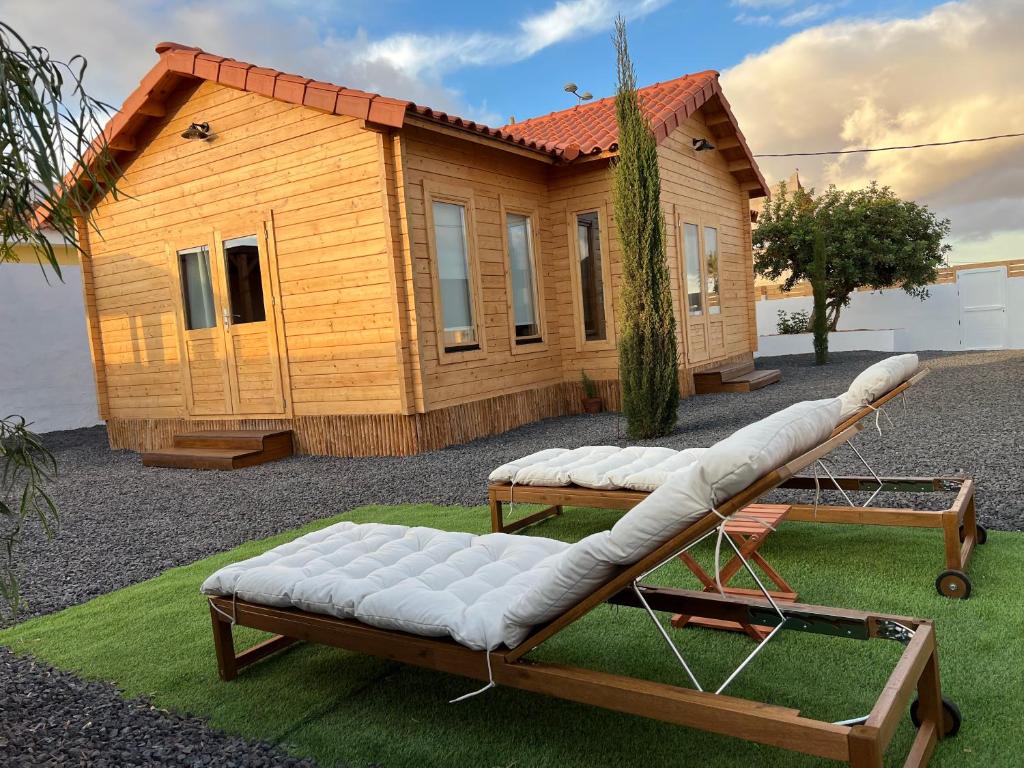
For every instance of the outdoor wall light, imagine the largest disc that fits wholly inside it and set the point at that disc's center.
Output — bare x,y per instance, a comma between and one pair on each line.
197,131
573,89
702,145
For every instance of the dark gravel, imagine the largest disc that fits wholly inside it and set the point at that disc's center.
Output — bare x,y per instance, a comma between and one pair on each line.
124,523
52,718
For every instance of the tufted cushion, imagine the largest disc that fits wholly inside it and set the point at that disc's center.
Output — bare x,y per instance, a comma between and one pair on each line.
556,470
875,380
637,468
749,453
603,474
652,477
418,580
506,473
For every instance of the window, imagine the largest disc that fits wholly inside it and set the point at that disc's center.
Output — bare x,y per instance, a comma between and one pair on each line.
525,315
591,276
691,248
459,329
245,281
711,269
197,288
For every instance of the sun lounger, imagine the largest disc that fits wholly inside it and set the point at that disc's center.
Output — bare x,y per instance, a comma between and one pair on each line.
608,477
477,605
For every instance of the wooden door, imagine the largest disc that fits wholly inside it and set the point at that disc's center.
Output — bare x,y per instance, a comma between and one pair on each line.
228,323
202,345
248,320
699,269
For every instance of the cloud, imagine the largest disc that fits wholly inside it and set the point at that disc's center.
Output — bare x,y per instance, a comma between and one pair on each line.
950,73
298,38
812,12
433,55
763,3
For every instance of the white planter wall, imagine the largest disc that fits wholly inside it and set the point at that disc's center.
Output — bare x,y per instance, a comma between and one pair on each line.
932,324
45,369
838,341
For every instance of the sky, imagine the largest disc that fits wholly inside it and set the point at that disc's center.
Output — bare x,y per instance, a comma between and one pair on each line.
801,75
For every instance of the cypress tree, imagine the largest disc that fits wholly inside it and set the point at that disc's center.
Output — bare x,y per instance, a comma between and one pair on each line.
648,367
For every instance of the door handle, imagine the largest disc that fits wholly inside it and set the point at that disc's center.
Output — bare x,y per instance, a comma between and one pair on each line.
227,317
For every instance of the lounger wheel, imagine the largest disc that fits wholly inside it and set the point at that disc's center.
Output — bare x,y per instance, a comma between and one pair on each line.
954,584
982,533
950,717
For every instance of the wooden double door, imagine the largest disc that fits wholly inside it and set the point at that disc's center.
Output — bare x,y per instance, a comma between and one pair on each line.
228,321
700,272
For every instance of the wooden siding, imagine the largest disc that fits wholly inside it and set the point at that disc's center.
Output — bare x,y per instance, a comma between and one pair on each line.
485,175
379,434
319,177
700,185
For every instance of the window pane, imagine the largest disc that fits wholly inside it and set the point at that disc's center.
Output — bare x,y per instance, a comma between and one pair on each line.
524,288
591,277
196,288
459,330
245,282
691,248
711,269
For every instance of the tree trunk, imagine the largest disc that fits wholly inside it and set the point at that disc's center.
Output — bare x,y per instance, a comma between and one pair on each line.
819,285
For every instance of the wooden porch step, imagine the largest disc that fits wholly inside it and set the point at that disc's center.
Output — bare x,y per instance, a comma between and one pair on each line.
736,377
222,449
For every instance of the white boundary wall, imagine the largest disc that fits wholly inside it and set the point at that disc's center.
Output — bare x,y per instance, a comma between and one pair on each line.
921,325
45,368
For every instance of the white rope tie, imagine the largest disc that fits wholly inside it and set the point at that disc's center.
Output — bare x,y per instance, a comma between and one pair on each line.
511,497
721,535
233,616
490,683
878,413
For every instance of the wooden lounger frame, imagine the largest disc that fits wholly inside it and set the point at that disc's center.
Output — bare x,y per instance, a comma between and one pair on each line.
861,745
958,523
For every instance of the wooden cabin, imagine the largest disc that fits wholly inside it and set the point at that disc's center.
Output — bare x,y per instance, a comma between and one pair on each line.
382,278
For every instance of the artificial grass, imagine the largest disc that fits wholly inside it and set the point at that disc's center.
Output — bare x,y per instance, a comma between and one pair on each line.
153,639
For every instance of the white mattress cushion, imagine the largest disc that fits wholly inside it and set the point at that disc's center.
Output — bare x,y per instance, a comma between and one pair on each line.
417,580
506,473
749,453
607,473
652,477
875,381
557,470
585,565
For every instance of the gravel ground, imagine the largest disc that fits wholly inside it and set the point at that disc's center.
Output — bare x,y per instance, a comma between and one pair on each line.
124,523
50,718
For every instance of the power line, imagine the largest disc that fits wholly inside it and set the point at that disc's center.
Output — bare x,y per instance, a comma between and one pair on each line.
890,149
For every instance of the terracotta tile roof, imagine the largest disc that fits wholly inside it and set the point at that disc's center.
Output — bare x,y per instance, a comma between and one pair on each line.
564,136
591,128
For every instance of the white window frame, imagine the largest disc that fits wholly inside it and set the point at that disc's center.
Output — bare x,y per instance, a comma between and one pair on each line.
463,196
522,207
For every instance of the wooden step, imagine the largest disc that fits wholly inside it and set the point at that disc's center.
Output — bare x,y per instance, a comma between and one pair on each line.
222,449
709,382
253,439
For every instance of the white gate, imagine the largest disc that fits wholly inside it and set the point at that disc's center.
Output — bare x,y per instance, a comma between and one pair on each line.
982,295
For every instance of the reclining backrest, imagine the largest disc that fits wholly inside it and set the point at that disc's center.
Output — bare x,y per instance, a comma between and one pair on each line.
874,381
724,469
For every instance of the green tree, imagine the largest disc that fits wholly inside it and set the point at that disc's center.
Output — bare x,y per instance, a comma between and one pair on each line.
872,239
54,158
648,368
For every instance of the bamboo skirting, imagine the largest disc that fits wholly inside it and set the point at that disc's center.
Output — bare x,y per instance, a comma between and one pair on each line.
383,434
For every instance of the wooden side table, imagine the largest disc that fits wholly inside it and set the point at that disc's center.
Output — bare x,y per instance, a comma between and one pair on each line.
749,535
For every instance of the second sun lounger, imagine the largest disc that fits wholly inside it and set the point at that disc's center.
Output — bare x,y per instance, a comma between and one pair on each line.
958,522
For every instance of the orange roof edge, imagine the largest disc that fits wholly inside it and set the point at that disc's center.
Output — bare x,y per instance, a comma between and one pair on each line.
566,135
